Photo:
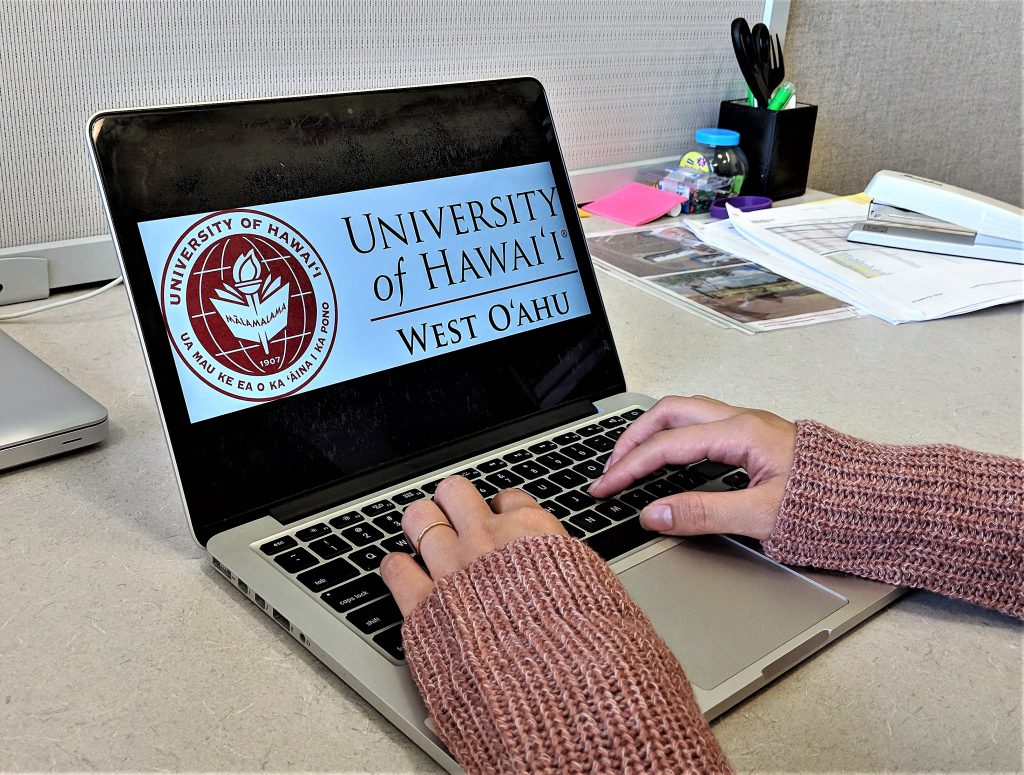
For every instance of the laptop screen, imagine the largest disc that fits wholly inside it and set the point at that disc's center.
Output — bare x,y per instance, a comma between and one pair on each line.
331,286
281,298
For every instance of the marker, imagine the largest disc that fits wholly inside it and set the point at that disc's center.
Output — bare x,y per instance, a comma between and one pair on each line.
781,96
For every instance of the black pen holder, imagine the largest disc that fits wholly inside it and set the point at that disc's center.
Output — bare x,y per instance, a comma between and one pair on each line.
777,144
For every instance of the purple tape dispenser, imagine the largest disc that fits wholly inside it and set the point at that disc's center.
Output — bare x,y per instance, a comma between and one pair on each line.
745,203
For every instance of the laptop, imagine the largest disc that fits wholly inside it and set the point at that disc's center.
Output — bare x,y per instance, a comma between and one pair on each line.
42,414
345,298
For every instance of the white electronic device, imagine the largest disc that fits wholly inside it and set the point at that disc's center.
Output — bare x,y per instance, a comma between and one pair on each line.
915,213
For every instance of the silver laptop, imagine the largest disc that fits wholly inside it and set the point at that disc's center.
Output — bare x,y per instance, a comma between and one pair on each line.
345,298
42,414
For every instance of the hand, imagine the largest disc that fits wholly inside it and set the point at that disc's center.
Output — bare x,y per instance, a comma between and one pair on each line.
470,528
680,430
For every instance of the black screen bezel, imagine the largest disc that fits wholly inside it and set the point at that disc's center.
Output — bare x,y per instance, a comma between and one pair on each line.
165,198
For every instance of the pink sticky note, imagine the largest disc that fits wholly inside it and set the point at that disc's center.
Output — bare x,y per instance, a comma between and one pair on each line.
636,204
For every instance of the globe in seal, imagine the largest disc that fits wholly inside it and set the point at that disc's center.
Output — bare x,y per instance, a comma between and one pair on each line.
249,305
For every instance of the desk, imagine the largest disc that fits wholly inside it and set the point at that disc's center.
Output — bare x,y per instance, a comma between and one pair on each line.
122,649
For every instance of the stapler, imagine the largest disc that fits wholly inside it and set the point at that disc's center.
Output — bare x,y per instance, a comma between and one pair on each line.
920,214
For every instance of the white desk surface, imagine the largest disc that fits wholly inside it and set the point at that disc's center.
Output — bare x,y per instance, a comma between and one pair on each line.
121,648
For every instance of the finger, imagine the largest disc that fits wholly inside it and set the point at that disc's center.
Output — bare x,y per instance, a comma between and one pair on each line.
462,504
507,500
408,583
751,512
670,412
721,440
438,545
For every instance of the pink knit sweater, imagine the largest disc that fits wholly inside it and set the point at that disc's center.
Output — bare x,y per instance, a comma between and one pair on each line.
535,659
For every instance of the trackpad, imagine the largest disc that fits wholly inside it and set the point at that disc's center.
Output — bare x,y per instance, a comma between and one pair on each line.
721,607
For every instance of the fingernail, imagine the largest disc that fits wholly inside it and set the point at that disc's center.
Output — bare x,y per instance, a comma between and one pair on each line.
595,483
607,463
657,518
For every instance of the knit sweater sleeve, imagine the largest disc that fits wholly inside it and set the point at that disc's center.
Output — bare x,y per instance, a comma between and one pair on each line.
937,517
535,659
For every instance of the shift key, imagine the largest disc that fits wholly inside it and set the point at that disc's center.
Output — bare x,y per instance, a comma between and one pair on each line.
376,616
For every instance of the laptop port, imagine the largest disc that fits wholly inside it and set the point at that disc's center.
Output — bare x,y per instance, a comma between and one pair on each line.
281,620
223,569
243,586
259,600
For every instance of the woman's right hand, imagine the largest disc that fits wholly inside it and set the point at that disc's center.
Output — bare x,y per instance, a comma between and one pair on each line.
678,431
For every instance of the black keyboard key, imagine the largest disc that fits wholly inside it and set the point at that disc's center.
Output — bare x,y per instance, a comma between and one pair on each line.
390,523
616,511
619,539
612,422
657,473
486,489
567,438
490,466
403,499
296,560
542,488
711,470
568,478
362,590
738,479
542,446
637,498
376,616
632,414
529,469
518,456
313,531
329,547
572,530
278,545
688,480
503,480
590,469
574,500
378,507
599,443
468,473
346,519
391,641
430,487
368,558
614,433
589,430
590,521
328,575
361,535
577,452
557,509
397,544
663,488
554,460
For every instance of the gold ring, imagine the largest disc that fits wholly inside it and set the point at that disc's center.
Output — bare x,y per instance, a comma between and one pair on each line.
427,529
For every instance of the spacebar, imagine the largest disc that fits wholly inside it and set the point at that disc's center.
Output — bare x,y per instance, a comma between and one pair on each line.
617,540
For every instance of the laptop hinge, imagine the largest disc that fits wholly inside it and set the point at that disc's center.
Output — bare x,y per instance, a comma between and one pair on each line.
321,499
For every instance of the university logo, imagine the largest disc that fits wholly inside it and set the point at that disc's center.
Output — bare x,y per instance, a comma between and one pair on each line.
249,305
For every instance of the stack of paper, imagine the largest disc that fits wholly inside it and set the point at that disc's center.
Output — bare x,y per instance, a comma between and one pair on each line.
807,243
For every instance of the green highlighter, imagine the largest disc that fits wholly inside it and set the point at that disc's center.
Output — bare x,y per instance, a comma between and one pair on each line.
781,96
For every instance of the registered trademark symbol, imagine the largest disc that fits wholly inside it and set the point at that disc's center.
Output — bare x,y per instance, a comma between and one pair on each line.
565,233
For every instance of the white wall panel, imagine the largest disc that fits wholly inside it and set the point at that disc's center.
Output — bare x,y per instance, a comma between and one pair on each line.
627,79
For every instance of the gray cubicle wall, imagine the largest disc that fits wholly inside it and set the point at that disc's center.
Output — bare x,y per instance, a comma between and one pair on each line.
628,80
932,88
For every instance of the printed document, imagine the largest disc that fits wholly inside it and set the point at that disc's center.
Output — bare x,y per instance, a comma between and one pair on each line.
807,243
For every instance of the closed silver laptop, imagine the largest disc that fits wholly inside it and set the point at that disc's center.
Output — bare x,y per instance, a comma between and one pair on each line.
41,413
343,299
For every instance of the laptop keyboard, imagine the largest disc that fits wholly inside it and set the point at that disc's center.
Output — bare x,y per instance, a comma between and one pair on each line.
337,559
